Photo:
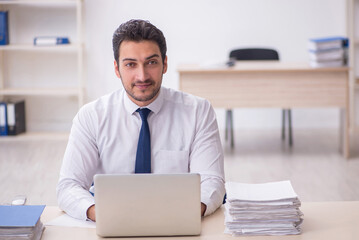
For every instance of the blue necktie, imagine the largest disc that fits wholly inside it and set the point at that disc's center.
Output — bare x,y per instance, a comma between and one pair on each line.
143,156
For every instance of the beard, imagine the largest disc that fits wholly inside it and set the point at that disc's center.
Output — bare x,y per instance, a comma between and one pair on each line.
146,94
145,97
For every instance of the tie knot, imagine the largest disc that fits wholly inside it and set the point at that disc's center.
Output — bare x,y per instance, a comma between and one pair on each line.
143,113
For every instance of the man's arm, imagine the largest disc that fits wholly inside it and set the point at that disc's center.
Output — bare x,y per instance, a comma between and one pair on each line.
206,158
78,168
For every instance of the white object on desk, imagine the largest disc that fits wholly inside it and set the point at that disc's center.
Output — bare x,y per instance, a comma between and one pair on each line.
67,221
19,200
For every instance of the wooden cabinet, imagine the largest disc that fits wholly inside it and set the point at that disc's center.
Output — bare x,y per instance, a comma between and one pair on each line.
353,34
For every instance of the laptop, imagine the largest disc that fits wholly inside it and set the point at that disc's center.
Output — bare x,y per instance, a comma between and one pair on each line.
148,205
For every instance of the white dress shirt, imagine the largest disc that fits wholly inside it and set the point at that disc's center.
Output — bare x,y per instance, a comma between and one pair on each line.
104,137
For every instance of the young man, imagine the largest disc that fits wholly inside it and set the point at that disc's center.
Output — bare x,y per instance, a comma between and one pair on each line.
141,129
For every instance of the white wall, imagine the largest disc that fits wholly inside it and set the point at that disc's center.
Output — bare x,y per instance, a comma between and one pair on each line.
206,30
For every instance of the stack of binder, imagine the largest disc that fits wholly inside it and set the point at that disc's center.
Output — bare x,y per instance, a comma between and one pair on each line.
262,209
328,52
21,222
12,117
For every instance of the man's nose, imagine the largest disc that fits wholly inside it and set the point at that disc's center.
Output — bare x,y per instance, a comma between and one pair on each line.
141,74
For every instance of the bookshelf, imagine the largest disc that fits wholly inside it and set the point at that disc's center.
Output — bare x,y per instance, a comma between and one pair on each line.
353,34
49,78
30,47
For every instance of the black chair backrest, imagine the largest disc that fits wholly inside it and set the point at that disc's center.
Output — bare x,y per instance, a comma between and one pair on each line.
245,54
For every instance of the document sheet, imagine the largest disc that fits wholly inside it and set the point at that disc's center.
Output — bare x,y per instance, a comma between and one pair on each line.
67,221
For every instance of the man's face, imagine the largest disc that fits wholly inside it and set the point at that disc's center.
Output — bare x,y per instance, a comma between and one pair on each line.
140,68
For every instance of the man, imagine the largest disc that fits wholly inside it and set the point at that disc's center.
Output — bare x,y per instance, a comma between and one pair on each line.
111,135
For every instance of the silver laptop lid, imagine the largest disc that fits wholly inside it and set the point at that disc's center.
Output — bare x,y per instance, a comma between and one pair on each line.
148,204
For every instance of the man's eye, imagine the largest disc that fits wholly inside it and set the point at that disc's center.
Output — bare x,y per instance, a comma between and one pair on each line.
130,64
152,62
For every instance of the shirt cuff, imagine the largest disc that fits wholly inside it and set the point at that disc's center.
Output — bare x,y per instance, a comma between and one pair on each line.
210,206
212,192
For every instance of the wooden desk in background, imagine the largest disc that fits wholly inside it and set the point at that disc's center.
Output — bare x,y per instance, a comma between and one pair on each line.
322,221
268,84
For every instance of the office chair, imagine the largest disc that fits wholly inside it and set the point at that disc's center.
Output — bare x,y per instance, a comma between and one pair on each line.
246,54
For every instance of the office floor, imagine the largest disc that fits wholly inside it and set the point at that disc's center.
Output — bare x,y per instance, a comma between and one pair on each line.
317,170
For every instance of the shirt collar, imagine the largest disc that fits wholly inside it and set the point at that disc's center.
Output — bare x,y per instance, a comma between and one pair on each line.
155,106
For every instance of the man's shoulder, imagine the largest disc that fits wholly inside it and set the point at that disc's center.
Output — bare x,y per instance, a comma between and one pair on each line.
183,98
104,102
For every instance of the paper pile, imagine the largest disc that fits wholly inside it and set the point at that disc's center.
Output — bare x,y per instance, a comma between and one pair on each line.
262,209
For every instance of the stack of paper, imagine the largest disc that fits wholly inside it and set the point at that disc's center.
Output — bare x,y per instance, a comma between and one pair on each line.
21,222
262,209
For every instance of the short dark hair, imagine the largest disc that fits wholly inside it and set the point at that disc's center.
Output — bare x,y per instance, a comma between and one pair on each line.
138,30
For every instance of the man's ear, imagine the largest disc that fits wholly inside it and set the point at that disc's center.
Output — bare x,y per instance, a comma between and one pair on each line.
117,70
165,65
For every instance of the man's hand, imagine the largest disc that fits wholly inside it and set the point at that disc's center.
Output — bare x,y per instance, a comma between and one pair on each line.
203,209
91,213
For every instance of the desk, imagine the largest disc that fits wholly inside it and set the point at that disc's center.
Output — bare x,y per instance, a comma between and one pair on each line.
267,84
322,220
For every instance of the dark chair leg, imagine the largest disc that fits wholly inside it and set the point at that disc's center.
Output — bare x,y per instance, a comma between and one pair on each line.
231,128
283,124
227,124
290,127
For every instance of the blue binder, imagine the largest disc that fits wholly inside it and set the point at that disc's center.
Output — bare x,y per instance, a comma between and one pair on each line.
50,41
20,216
3,119
345,40
328,43
4,28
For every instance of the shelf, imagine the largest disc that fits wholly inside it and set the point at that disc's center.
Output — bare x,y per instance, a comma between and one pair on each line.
58,92
44,93
30,47
48,2
32,136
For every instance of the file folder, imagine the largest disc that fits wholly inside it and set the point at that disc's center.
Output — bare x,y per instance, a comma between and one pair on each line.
3,119
50,41
4,28
16,117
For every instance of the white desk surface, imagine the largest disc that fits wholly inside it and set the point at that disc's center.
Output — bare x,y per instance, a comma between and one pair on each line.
322,221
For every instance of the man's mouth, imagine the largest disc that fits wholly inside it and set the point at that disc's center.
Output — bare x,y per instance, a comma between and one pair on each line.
142,86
